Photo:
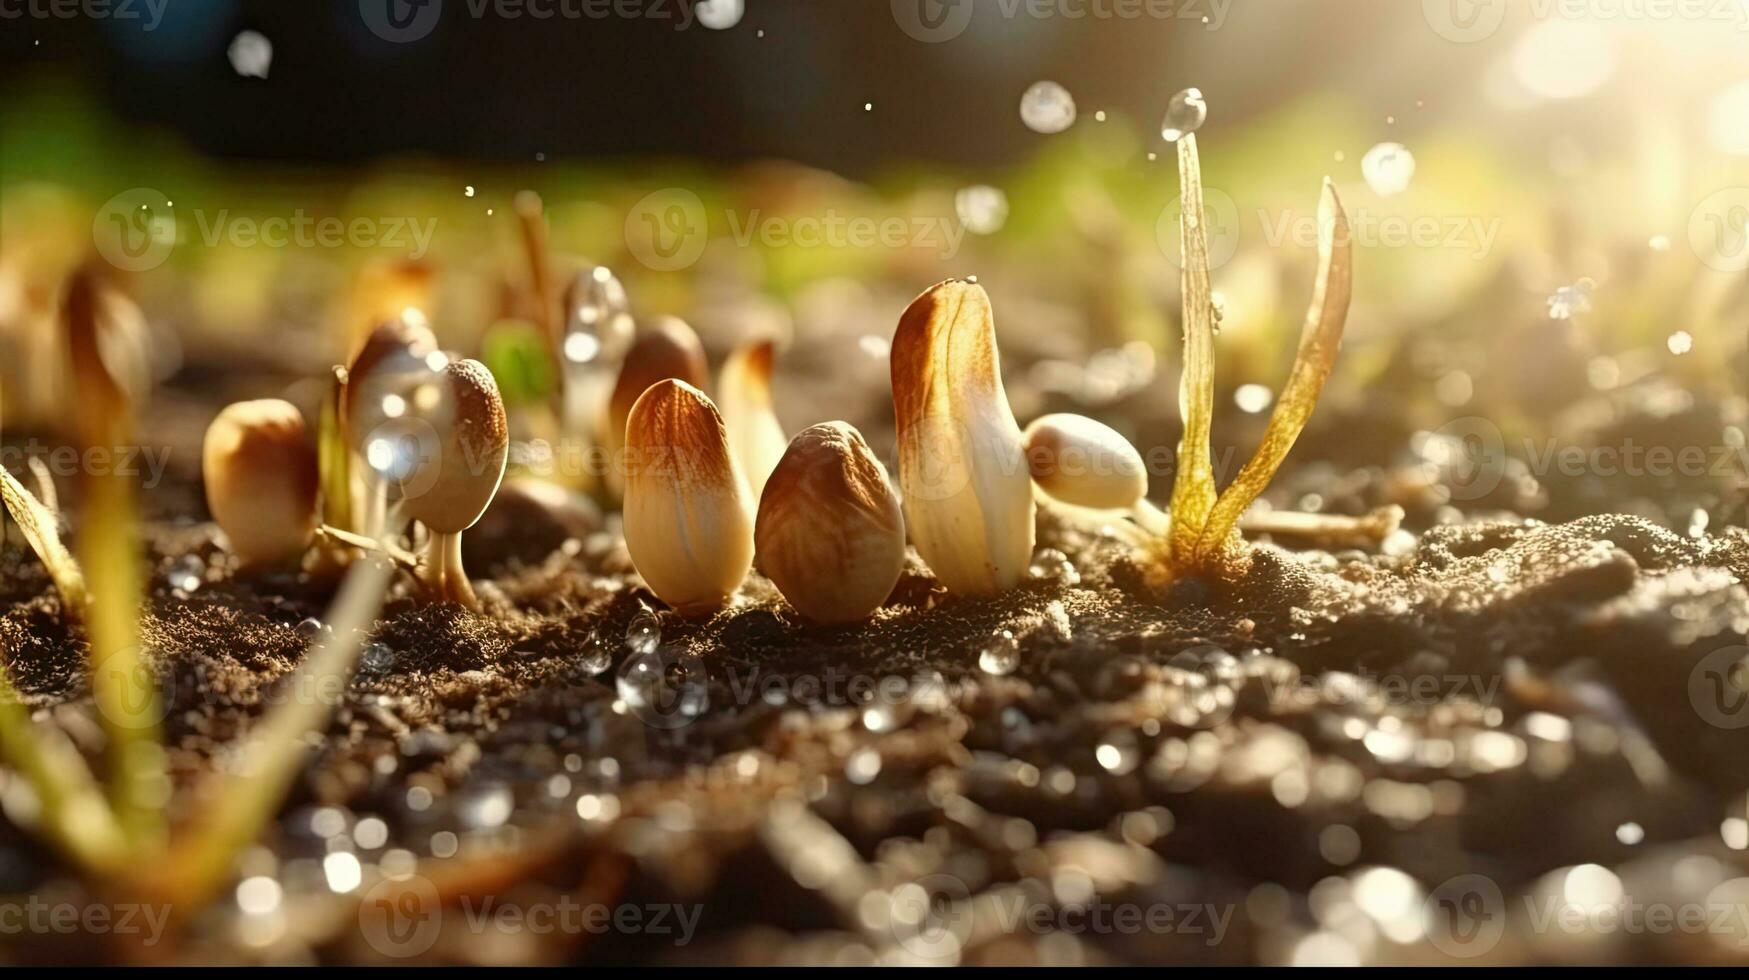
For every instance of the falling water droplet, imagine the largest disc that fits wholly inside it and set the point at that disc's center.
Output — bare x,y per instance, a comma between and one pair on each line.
1388,168
982,209
1047,108
1000,655
251,54
1568,301
1184,114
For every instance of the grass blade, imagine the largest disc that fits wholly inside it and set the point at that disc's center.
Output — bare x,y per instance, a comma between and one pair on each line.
232,807
41,527
1193,488
108,548
74,815
1319,341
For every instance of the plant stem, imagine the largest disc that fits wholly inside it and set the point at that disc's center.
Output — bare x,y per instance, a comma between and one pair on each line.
443,573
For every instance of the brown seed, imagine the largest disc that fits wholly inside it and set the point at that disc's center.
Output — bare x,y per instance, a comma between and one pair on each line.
830,534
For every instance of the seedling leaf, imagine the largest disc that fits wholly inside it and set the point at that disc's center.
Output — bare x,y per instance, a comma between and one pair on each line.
41,527
1193,489
1319,342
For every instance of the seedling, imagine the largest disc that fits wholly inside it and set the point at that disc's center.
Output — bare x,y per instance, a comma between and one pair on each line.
964,464
117,835
448,491
830,534
688,516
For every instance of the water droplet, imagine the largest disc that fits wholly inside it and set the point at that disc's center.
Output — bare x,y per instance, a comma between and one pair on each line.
1000,654
982,209
1047,108
876,346
720,15
1252,399
1680,342
863,766
1570,300
376,658
644,633
486,807
251,54
595,657
1051,565
312,627
468,191
666,688
1184,114
1388,168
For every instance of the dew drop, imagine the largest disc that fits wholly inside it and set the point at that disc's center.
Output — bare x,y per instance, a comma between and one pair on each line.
644,633
1388,168
376,658
982,209
1047,108
1184,114
596,656
1000,654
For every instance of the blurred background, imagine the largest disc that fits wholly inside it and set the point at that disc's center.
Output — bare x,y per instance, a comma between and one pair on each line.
1550,200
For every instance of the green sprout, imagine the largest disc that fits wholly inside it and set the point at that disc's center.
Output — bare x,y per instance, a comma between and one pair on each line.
119,838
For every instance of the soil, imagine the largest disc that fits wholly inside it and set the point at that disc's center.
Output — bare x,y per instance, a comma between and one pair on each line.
1485,713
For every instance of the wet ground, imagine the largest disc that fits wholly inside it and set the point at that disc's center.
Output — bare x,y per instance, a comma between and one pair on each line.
1489,743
